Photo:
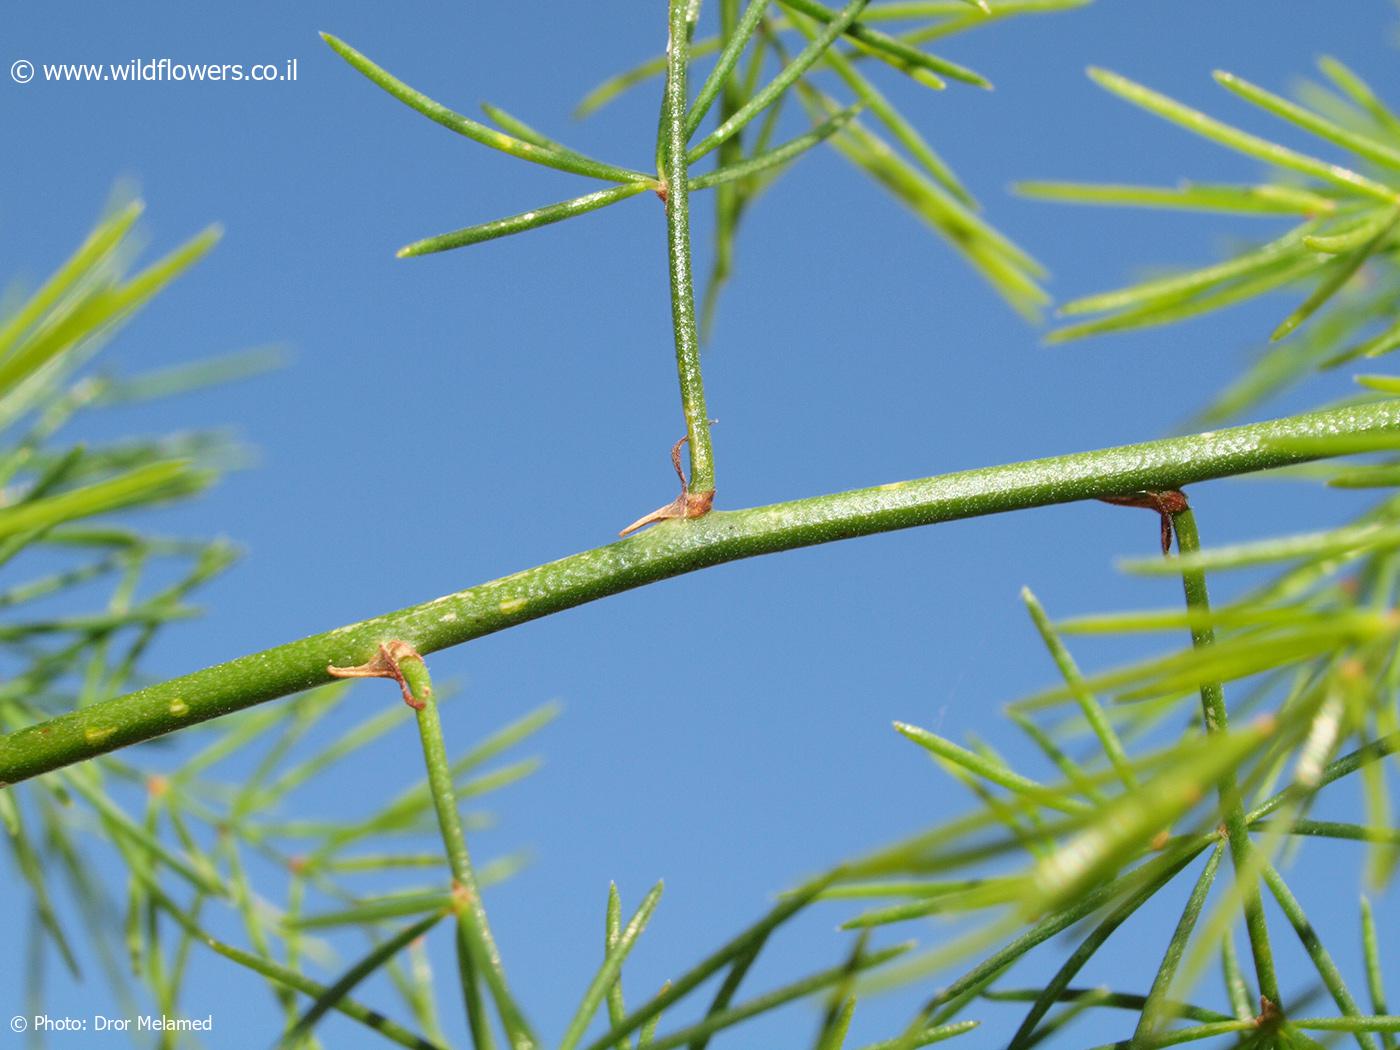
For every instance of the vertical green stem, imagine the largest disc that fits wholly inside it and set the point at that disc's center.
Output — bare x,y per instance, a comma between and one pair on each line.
1188,541
478,1024
481,957
675,175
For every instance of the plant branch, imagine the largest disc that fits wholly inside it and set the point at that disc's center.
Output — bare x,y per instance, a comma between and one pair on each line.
481,957
672,549
676,178
1193,581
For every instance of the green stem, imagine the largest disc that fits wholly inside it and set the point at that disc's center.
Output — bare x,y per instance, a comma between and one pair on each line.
676,178
672,549
1188,541
1312,944
481,954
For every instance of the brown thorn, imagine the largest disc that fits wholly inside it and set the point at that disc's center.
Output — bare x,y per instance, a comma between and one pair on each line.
687,505
386,665
1165,502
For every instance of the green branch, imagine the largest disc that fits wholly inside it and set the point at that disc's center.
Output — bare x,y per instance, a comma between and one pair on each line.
481,959
671,549
675,175
1216,718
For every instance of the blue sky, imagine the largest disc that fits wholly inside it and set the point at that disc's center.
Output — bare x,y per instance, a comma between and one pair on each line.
447,420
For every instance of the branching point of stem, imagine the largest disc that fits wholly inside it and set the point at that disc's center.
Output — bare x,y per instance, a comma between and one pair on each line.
687,505
1166,503
1270,1016
386,664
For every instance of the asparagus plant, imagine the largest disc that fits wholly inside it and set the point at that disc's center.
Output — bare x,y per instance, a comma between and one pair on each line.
1178,778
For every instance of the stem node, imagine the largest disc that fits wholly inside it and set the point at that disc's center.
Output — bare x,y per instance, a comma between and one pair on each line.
1166,503
687,505
386,665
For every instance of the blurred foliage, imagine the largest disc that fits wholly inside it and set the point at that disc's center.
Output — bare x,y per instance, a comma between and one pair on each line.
1339,255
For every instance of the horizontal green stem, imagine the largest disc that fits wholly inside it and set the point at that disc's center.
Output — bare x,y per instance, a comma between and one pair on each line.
672,549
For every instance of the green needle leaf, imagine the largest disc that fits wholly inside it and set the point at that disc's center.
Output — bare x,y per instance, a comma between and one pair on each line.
1188,196
477,132
31,868
724,65
1330,543
1026,1034
785,78
926,1036
1088,704
903,132
1342,271
1312,944
1345,237
886,48
139,837
550,213
610,971
696,975
909,10
617,85
1126,827
777,155
991,771
1261,276
93,251
833,1036
395,906
1168,291
524,131
142,485
774,999
376,959
612,933
1234,138
1362,145
1157,1007
1375,983
1005,266
104,307
1359,92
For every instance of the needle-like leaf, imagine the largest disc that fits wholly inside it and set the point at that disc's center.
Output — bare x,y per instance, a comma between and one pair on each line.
1188,196
1243,142
1362,145
880,108
609,972
785,78
734,46
777,155
888,49
550,213
476,131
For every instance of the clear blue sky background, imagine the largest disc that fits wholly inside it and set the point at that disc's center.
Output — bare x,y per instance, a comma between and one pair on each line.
451,419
